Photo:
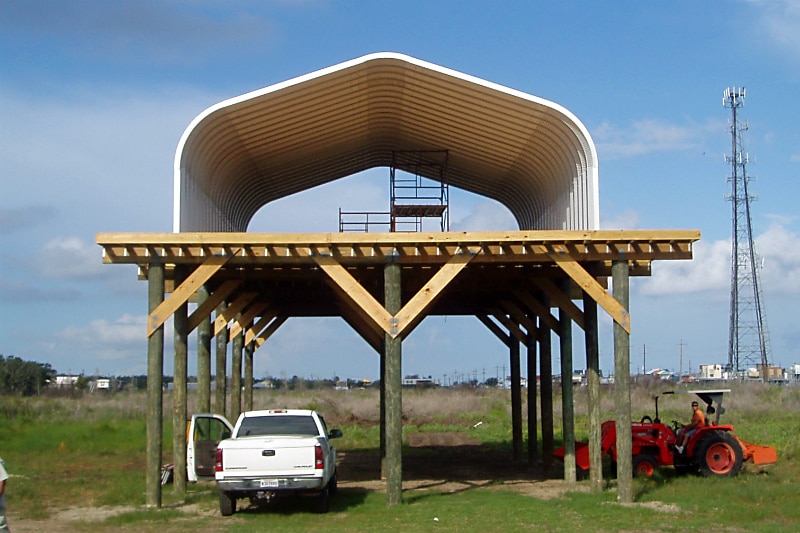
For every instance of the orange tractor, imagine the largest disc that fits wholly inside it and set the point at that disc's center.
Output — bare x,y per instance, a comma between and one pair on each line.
713,450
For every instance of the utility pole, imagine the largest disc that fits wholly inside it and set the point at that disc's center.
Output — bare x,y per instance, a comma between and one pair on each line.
644,359
680,368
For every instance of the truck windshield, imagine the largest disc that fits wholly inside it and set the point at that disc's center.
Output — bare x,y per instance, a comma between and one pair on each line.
278,425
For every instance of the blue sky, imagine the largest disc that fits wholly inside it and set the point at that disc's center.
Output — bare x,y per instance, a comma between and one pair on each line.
94,96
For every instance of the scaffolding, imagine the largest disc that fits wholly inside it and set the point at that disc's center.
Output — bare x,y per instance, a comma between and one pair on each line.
418,192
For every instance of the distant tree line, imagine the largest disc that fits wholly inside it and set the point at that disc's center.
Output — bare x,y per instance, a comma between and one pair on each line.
24,378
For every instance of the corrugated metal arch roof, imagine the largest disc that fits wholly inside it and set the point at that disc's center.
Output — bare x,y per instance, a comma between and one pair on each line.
531,155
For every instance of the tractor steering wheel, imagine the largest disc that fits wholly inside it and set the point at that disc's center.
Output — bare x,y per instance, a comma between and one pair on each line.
646,419
675,426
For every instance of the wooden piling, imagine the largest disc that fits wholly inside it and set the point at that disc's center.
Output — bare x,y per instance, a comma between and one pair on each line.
203,356
155,377
516,400
221,362
593,386
394,382
622,385
567,401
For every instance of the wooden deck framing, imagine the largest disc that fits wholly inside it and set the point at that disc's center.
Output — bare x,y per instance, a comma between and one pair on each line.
511,281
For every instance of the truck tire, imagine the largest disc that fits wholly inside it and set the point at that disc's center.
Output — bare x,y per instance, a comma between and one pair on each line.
227,503
719,454
333,484
322,503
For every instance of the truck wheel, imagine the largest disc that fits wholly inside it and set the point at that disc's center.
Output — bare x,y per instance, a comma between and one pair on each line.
322,503
227,503
333,484
719,454
644,466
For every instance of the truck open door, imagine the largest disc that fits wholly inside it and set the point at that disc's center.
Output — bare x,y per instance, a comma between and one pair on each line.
204,433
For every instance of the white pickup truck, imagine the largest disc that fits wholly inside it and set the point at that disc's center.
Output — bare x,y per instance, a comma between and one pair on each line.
266,454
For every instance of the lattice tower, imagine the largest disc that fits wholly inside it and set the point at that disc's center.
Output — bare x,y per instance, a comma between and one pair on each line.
748,338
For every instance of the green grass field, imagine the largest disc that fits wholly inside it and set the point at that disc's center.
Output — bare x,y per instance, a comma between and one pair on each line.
78,463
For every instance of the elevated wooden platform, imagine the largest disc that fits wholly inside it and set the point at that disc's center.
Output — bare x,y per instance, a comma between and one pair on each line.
338,274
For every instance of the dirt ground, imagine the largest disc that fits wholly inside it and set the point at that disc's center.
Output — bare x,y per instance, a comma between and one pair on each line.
442,462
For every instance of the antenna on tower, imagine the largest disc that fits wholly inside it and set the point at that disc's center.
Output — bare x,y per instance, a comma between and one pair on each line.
748,339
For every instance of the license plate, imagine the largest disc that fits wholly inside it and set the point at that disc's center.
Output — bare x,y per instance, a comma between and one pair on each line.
268,483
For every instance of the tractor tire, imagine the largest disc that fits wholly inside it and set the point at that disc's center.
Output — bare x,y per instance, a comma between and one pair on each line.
644,466
719,454
227,503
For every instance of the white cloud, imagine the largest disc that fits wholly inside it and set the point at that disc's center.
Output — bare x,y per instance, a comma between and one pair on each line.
646,136
779,249
70,257
628,219
123,331
710,270
778,21
117,346
486,215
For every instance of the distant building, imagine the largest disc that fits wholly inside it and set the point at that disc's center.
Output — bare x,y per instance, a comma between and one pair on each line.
66,381
661,373
715,371
420,382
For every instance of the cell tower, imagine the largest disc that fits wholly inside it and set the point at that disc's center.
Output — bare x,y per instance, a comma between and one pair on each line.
748,339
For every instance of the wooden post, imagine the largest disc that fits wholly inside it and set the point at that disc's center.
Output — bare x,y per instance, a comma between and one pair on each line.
394,382
593,384
546,395
220,387
203,356
382,407
248,376
236,376
567,401
622,386
179,407
155,379
516,400
533,439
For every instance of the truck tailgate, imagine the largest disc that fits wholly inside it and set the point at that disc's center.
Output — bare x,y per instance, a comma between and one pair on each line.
273,457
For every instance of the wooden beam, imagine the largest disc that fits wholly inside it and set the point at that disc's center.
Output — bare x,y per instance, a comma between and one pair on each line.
269,330
504,337
537,308
247,318
513,327
364,329
352,291
181,294
586,282
232,310
205,309
380,248
253,331
562,300
413,311
519,316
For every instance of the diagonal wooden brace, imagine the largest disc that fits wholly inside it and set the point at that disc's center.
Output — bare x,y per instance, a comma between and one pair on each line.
586,282
373,311
184,291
